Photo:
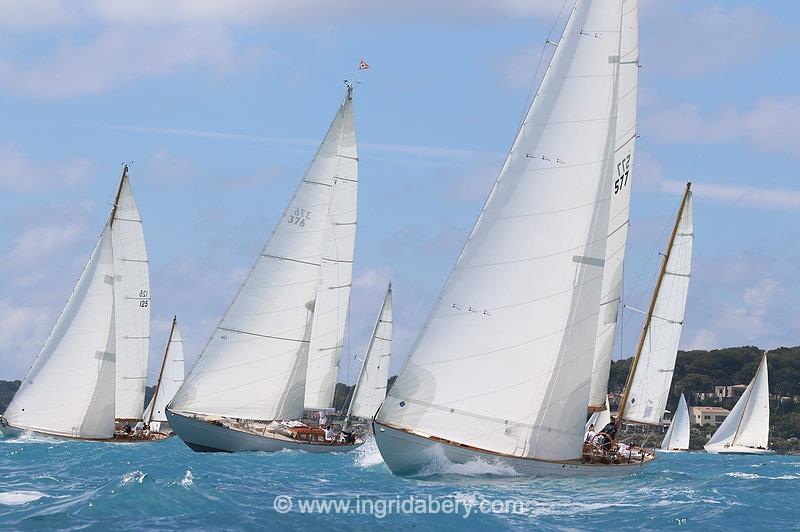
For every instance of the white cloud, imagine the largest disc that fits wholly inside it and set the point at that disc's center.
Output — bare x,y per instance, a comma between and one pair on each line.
772,124
18,173
771,198
23,330
115,57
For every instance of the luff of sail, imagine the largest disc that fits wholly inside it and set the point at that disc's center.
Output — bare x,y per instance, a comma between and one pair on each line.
254,365
504,360
170,377
648,388
69,390
677,436
748,423
336,275
625,144
131,302
370,389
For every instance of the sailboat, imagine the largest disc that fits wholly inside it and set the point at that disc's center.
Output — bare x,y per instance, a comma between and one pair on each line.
170,378
644,399
501,370
92,368
746,429
677,436
370,389
248,389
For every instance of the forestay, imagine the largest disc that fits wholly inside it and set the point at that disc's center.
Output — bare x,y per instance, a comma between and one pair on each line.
131,303
504,360
370,390
333,291
677,436
651,382
625,131
170,379
254,366
69,390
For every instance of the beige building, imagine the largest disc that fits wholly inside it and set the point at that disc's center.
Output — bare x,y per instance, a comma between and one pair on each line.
708,415
729,392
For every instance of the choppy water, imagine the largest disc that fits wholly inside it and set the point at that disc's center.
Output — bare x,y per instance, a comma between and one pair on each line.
61,485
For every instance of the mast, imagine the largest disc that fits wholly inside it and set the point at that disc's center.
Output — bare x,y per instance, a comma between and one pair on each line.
366,357
649,317
161,372
119,193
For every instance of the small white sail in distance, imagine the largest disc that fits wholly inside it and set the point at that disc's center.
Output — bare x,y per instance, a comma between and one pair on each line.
170,378
654,364
370,389
131,302
504,361
747,426
677,437
254,365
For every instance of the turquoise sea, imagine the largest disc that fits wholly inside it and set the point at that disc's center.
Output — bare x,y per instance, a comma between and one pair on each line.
47,484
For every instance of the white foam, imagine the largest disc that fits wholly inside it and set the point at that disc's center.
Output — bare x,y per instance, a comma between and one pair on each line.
753,476
133,477
15,498
439,464
188,479
368,454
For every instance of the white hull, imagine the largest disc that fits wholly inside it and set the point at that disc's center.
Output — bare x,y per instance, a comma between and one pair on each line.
735,449
407,454
202,436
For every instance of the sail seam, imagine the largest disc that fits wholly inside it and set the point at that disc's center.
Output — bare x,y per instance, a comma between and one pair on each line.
263,335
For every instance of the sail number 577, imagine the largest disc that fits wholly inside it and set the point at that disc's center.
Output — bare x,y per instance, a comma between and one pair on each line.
623,171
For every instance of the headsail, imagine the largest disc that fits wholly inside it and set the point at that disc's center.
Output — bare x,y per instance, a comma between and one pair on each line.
131,302
748,423
677,437
69,390
254,365
504,360
336,275
170,377
619,214
651,372
370,389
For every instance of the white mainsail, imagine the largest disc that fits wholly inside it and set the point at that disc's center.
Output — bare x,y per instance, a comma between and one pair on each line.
748,423
504,360
336,275
370,389
619,214
170,377
69,390
131,303
254,365
677,437
649,388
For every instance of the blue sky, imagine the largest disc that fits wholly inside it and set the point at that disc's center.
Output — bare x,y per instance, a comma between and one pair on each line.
220,106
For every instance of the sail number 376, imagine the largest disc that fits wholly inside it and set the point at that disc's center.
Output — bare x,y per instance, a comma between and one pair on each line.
299,217
623,170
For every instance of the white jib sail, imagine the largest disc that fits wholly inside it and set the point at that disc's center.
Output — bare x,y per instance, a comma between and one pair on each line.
748,423
171,379
677,436
69,390
254,365
504,360
651,383
370,390
619,214
131,303
336,275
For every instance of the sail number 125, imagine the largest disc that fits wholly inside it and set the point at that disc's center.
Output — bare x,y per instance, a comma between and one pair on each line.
623,170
